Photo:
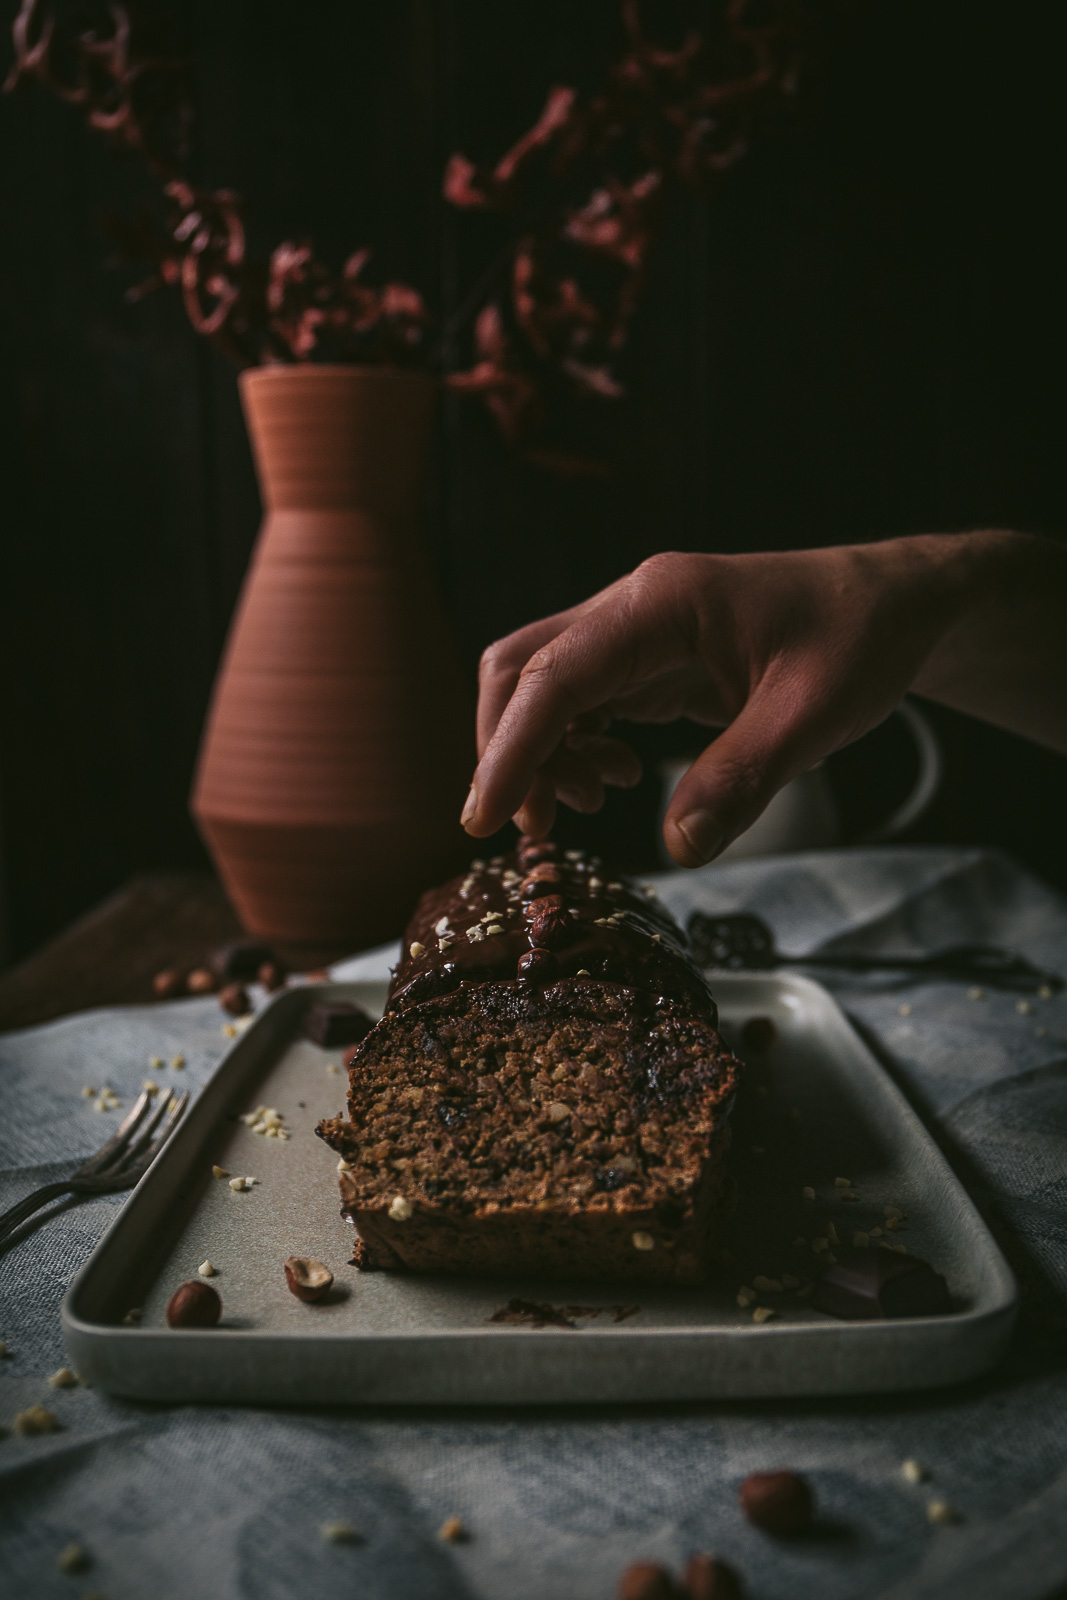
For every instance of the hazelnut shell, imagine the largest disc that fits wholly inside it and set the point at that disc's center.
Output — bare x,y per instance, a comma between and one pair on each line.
307,1278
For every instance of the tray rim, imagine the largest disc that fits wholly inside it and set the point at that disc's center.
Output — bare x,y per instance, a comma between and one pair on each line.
91,1340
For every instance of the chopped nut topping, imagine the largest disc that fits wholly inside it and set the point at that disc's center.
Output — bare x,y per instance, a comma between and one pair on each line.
266,1120
558,1112
206,1270
583,972
477,865
573,855
818,1245
241,1184
643,1241
87,1093
228,1030
913,1472
860,1240
874,1233
892,1212
842,1183
333,1068
400,1209
614,886
746,1296
452,1530
445,944
4,1351
149,1087
1045,992
768,1285
340,1533
1023,1007
156,1062
475,934
64,1379
847,1196
35,1419
649,891
905,1010
493,931
901,1249
976,994
415,949
807,1193
72,1559
657,938
177,1062
763,1313
595,884
132,1318
441,925
344,1166
939,1511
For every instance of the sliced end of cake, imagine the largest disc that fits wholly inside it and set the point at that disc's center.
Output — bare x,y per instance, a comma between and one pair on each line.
576,1131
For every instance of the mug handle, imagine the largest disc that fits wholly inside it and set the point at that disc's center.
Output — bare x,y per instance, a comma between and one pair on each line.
927,782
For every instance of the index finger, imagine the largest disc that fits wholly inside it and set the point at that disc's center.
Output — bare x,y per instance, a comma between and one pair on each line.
576,671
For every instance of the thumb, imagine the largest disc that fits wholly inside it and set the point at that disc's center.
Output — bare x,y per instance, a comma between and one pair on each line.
737,777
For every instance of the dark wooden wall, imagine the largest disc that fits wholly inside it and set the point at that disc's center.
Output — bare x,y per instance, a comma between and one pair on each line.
863,335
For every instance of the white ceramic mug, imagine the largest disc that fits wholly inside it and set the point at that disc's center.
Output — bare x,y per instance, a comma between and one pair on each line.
804,815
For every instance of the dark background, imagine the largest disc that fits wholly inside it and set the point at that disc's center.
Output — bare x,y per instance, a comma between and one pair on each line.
861,335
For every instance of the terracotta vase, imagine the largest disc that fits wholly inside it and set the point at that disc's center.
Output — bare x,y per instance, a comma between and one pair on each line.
339,743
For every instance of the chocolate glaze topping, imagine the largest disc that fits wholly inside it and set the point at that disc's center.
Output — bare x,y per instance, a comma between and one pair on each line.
537,915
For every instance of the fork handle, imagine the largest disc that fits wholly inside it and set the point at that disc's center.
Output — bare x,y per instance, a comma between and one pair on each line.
18,1213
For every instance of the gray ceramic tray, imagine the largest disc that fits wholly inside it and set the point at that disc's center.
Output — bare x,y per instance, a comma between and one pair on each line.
819,1108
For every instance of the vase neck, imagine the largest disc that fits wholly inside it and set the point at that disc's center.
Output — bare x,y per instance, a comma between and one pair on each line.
339,438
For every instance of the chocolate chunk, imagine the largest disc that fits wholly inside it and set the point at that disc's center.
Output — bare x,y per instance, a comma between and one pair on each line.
240,960
877,1282
339,1023
757,1035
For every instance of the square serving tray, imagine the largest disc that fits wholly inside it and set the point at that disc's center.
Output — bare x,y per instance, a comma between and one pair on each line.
817,1107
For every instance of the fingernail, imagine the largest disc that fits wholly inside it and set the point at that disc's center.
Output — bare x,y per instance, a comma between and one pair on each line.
700,833
470,808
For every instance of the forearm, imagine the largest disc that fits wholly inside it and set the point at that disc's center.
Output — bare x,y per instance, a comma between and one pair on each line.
1003,656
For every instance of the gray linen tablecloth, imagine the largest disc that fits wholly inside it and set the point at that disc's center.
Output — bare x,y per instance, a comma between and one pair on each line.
225,1503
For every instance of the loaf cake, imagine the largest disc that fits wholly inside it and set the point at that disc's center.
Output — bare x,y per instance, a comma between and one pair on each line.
546,1091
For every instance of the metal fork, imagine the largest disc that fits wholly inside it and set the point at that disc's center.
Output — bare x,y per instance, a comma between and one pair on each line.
118,1164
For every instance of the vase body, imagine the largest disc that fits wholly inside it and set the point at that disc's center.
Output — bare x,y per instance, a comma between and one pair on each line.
339,742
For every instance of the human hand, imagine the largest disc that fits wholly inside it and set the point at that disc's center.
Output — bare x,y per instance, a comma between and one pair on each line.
793,655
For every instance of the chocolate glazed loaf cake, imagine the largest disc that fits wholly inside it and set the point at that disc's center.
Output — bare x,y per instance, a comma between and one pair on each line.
546,1091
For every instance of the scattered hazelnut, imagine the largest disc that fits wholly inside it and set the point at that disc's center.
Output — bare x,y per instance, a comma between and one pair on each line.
705,1578
272,976
63,1379
193,1305
307,1278
167,984
452,1531
646,1581
778,1502
73,1559
234,999
200,981
36,1419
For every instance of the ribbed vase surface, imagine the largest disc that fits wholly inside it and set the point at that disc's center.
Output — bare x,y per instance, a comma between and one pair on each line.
339,742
